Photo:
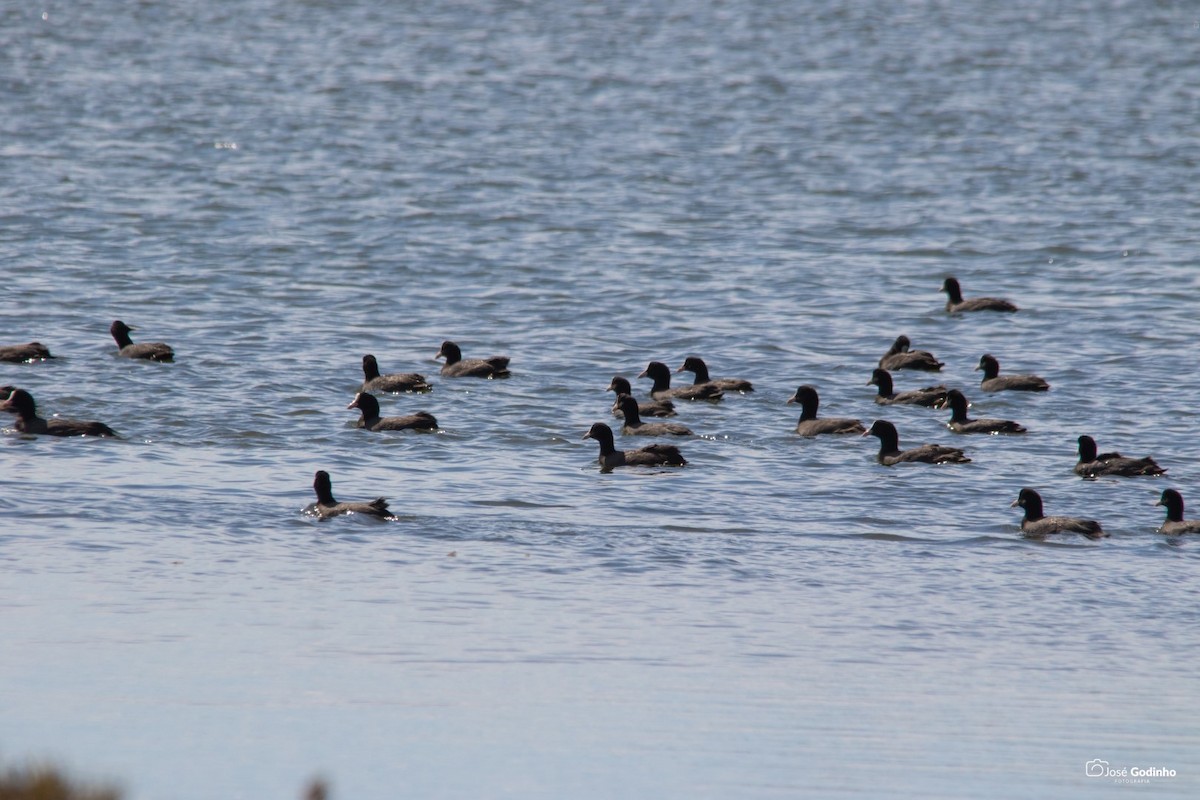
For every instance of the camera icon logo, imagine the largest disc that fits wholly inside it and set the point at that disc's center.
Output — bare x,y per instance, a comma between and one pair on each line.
1096,768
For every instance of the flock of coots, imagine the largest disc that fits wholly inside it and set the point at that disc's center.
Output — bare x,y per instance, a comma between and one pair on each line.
662,403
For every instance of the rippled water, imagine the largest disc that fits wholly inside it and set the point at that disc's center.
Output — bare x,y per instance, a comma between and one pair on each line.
278,188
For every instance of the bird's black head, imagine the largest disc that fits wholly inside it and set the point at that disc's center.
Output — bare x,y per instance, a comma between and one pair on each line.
600,432
989,365
1173,500
323,486
808,399
449,351
366,403
883,430
19,402
1029,500
620,384
882,378
950,286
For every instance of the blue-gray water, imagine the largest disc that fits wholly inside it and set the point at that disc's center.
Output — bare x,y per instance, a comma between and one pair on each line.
277,188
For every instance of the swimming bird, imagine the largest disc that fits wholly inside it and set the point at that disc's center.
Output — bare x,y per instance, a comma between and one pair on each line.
810,426
993,381
635,427
654,455
696,365
458,367
955,302
1035,525
660,373
21,403
961,423
647,408
887,395
890,452
1175,524
369,406
146,351
34,351
900,357
327,507
1092,464
396,382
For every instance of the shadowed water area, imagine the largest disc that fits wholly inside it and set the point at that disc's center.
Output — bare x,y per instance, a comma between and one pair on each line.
277,188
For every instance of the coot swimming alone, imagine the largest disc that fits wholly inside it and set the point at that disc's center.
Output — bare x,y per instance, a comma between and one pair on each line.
327,507
146,351
955,302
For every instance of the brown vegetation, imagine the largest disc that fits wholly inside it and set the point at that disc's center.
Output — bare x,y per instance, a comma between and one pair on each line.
47,783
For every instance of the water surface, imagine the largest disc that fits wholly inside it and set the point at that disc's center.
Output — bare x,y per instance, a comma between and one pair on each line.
278,188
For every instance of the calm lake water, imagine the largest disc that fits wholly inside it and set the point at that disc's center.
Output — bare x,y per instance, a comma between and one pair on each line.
276,188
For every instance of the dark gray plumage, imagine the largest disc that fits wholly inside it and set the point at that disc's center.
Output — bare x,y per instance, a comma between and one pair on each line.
660,373
458,367
21,403
635,427
145,351
396,382
993,381
961,423
369,406
887,394
1093,464
327,507
654,455
899,356
809,425
890,452
1175,524
1035,524
696,366
34,351
956,304
646,408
